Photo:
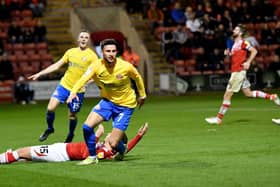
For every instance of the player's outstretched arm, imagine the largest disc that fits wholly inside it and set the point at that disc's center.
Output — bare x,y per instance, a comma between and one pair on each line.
141,132
47,70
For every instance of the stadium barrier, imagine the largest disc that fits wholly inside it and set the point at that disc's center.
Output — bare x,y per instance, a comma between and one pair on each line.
6,91
44,89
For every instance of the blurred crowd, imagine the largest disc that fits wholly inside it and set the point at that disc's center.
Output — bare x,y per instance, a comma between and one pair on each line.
200,30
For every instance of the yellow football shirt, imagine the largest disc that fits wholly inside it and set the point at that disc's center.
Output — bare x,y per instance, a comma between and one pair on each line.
114,83
78,61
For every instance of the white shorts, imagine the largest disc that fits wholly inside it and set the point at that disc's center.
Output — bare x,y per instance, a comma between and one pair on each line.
237,81
50,153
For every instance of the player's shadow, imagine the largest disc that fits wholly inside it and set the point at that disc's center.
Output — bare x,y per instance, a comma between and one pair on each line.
239,122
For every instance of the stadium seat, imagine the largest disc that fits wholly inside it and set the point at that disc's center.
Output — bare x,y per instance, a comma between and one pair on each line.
98,36
12,58
18,52
46,57
219,72
42,51
3,35
29,46
26,14
41,45
30,52
208,72
17,46
35,58
22,58
15,15
45,64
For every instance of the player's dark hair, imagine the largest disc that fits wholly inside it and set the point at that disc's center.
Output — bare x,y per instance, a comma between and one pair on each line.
242,29
84,30
108,41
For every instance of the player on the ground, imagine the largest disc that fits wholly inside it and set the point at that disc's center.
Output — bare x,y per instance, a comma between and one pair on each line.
61,152
112,75
78,60
239,64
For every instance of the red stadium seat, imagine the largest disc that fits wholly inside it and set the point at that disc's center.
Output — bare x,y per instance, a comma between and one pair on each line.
3,35
98,36
22,58
26,13
35,58
42,51
12,58
29,46
18,46
45,64
46,57
41,45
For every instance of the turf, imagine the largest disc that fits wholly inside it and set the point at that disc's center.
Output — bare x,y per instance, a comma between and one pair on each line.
180,149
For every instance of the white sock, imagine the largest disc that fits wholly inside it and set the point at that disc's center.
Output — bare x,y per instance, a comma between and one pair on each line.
2,158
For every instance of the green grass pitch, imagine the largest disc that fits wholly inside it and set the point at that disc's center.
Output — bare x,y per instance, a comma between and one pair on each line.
180,149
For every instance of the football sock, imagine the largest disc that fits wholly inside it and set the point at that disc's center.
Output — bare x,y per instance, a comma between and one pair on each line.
223,109
120,147
72,126
133,142
9,157
50,119
3,158
89,137
260,94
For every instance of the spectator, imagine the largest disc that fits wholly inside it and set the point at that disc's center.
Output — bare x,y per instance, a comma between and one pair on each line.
199,12
218,7
220,37
6,68
28,34
133,6
201,60
275,65
177,14
1,47
216,60
155,17
167,41
131,56
37,8
16,4
180,41
208,24
267,35
277,32
23,92
255,11
4,11
14,33
40,32
188,12
193,24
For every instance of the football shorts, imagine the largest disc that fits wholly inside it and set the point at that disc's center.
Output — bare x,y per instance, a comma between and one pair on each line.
237,81
62,94
50,153
119,114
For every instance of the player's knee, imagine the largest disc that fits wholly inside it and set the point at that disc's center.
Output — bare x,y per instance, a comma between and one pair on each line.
248,94
72,116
